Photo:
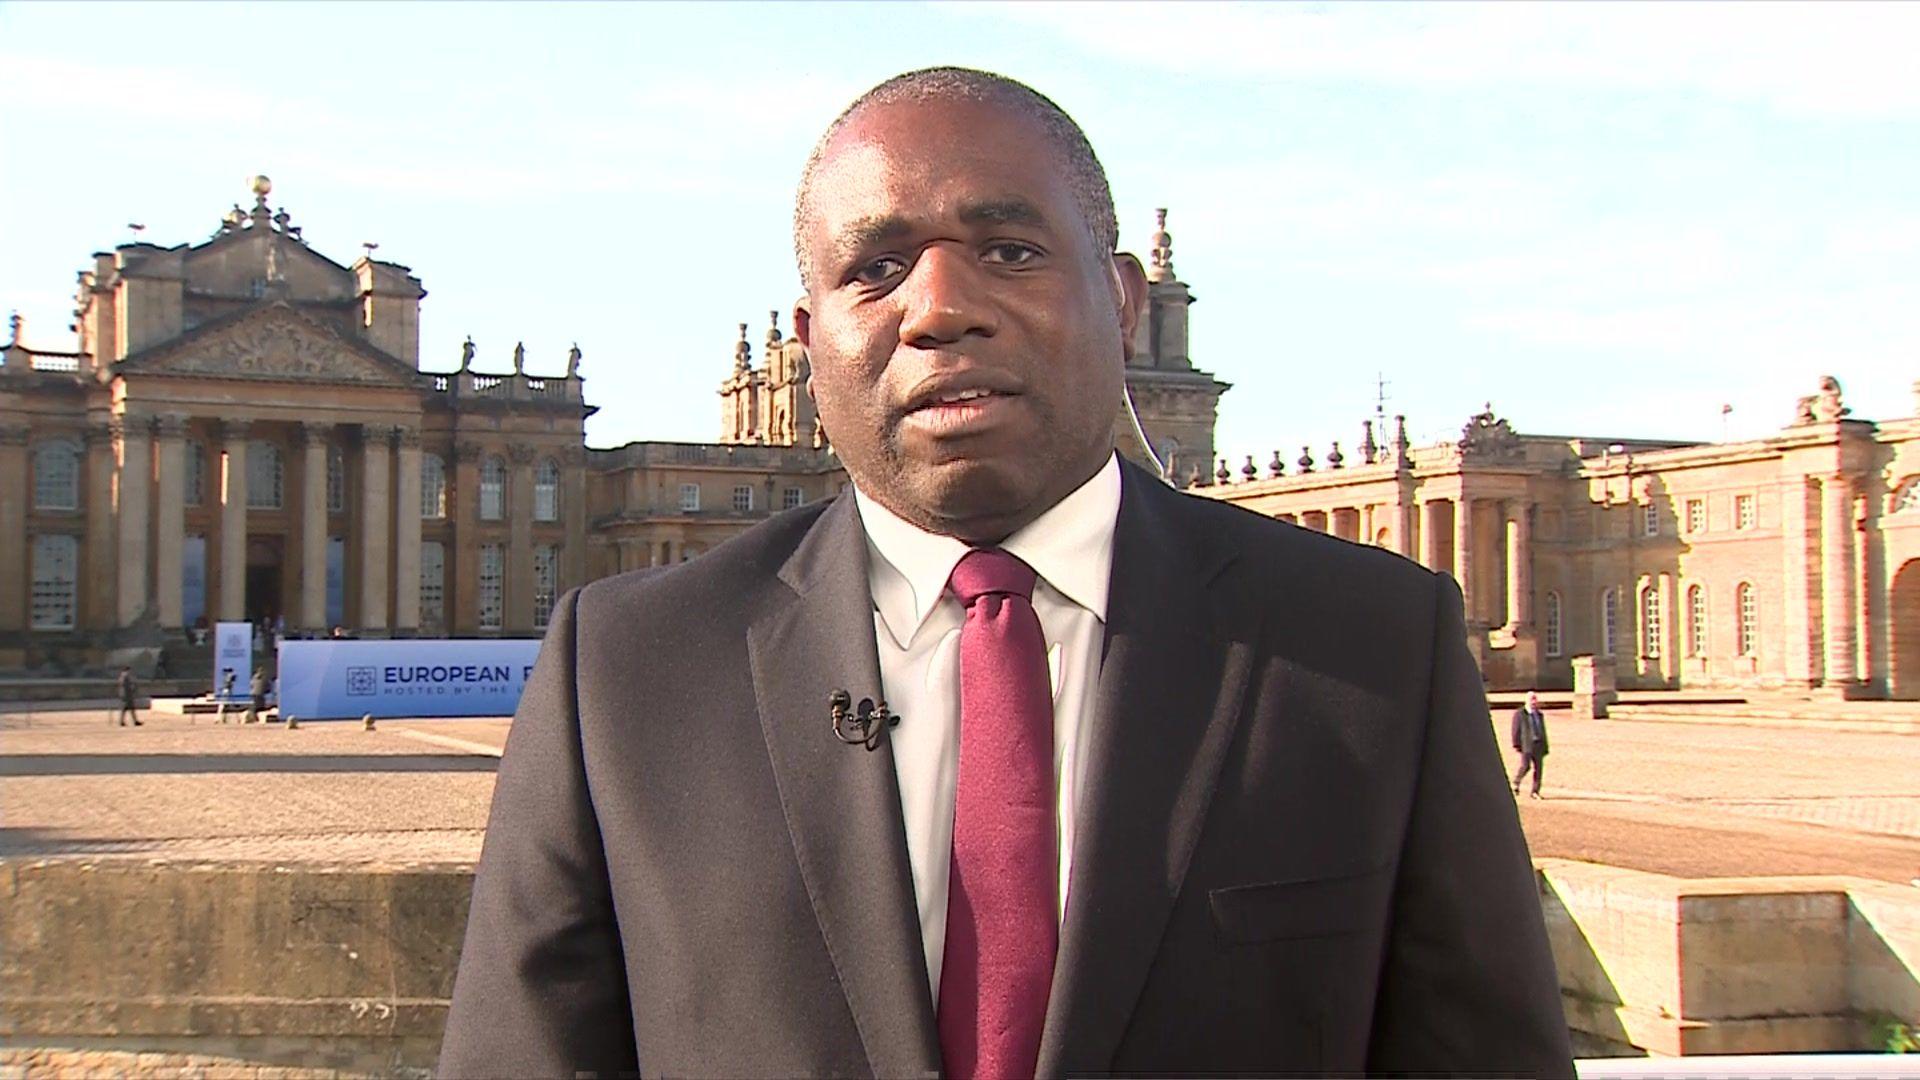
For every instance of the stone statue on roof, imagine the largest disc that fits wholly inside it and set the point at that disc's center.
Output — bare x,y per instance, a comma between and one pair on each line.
466,354
573,361
519,358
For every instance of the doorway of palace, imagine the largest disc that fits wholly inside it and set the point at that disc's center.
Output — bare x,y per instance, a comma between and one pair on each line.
264,579
1904,620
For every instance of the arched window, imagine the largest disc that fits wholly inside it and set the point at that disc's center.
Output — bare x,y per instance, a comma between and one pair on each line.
264,476
1749,643
1551,633
1697,620
336,481
493,489
56,477
196,473
1650,622
546,491
433,486
56,580
1609,621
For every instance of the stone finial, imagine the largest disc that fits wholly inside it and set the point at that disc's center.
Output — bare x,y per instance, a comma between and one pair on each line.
261,188
1250,471
1276,467
1221,474
14,322
1195,477
283,220
233,219
742,352
466,354
573,361
1336,459
1824,407
1306,459
1162,256
1369,450
519,358
773,329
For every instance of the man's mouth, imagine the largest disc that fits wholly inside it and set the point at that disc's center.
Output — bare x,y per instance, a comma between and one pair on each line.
955,413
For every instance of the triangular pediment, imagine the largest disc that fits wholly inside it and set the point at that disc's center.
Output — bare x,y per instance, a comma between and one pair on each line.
274,343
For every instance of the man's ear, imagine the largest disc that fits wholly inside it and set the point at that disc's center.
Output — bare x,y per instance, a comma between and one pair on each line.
1129,280
803,321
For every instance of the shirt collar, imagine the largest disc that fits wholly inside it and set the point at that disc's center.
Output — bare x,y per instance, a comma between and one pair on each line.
1070,546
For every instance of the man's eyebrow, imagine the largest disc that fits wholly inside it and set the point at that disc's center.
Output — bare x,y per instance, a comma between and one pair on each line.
1008,211
867,231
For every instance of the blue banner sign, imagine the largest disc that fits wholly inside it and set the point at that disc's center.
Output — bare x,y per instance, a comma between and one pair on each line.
232,660
413,677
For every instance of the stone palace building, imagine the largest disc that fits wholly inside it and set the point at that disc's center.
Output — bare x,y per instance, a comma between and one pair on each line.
1786,563
246,432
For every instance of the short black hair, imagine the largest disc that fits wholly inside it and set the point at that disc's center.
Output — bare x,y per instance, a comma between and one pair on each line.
1085,176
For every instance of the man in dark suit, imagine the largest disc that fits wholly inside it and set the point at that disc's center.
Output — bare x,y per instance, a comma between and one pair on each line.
1176,788
1530,740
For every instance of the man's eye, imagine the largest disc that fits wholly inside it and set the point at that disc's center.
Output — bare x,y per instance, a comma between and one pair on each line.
1010,254
877,271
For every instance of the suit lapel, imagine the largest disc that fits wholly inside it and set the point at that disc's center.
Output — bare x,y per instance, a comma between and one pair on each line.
1171,683
842,803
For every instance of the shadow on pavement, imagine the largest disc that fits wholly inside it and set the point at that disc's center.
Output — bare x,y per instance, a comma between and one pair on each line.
151,764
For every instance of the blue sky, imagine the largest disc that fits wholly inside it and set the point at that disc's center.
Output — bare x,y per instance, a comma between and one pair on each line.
1604,219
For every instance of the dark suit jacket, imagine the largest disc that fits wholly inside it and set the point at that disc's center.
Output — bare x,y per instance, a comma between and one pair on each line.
1298,852
1523,735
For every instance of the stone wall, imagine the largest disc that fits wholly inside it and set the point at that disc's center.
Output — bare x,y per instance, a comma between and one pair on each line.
1667,966
256,970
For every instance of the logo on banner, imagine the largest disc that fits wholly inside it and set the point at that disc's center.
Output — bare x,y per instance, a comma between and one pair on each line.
363,681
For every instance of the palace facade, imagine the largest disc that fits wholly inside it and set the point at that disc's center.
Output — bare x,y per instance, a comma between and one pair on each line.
1787,563
246,432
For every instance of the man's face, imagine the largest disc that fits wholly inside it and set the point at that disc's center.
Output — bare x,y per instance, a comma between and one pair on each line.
966,338
1533,700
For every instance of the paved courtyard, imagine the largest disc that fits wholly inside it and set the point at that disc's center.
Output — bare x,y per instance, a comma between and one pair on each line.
1688,799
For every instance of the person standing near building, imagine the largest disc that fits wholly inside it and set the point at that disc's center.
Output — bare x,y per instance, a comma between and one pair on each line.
226,692
1530,739
129,690
257,699
1063,860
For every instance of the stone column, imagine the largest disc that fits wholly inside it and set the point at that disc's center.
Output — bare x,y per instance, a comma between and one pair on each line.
1838,589
406,531
313,524
132,511
1403,529
170,540
1463,555
375,523
1519,565
518,616
1430,534
233,522
463,546
573,511
1366,524
16,488
99,609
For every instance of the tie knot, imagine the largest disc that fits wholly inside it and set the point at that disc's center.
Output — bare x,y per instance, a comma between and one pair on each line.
983,571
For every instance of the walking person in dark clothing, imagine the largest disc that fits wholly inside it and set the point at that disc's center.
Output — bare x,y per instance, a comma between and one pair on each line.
128,691
257,705
1530,739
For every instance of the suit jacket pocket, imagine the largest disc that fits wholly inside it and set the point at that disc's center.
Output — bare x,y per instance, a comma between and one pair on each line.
1311,908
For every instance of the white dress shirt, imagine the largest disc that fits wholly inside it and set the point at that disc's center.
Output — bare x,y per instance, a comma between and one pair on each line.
917,628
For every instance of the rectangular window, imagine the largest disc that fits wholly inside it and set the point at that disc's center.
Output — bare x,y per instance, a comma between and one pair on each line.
492,586
742,498
1552,635
1696,515
689,498
1743,511
546,579
336,581
196,477
193,578
790,498
336,482
264,476
1650,622
1696,621
433,585
1650,518
56,579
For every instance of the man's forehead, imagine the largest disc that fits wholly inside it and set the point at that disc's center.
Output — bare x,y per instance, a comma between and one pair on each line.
903,174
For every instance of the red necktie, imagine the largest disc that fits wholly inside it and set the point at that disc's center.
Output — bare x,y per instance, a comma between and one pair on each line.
1002,904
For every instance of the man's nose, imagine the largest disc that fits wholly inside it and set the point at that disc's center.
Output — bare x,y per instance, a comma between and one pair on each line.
944,298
